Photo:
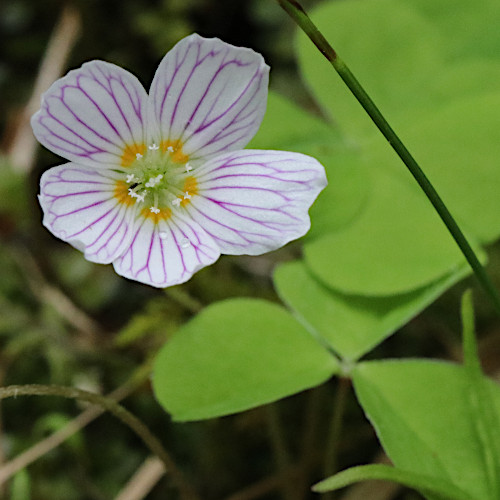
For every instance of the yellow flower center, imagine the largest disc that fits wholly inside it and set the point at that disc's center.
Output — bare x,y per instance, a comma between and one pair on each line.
158,177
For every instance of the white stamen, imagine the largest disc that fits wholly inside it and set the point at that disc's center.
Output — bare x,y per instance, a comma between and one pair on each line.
188,167
155,210
153,147
163,235
185,243
187,196
138,156
176,202
130,178
170,149
140,197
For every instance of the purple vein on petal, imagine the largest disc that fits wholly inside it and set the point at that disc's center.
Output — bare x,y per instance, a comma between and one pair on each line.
136,106
77,118
184,87
197,247
102,113
77,193
130,249
87,153
95,221
204,124
166,91
179,251
111,236
113,97
162,253
237,232
229,129
252,188
224,204
268,224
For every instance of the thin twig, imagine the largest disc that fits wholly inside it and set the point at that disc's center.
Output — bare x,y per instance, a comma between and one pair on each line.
49,294
119,412
143,481
22,147
3,370
51,442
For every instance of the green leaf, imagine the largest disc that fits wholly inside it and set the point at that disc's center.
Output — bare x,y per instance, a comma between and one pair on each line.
469,29
396,245
481,403
402,52
421,413
390,48
425,484
442,105
465,79
459,145
234,355
286,124
352,325
290,128
346,195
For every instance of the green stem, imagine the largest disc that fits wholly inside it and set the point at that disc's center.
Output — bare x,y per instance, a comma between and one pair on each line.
118,411
281,454
298,14
333,440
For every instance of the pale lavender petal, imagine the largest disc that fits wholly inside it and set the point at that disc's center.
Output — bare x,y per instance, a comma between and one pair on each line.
209,95
94,115
251,202
166,252
80,206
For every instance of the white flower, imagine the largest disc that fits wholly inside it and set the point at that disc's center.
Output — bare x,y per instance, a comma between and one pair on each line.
159,185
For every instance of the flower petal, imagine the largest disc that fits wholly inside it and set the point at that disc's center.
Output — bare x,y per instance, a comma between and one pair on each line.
93,115
80,207
209,95
166,252
251,202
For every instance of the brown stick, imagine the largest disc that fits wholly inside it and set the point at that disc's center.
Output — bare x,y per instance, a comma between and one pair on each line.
143,481
22,146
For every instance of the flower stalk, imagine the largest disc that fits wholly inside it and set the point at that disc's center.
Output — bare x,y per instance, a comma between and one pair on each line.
299,15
